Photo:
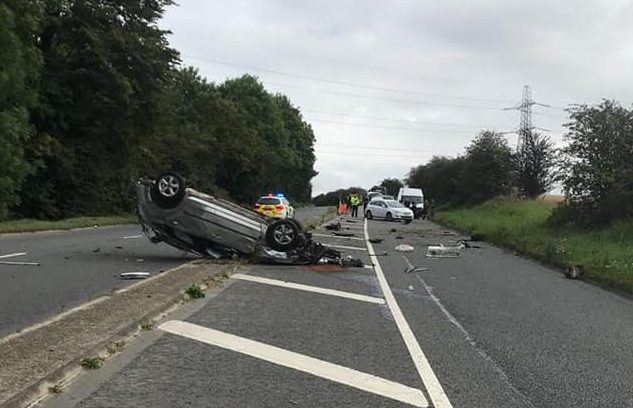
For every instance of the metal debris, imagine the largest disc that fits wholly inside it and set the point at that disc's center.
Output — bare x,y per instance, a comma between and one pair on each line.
413,269
343,234
96,250
574,272
16,263
399,237
375,240
134,275
333,226
441,251
404,248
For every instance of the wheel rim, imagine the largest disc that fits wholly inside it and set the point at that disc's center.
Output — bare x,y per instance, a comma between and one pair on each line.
389,217
168,186
284,234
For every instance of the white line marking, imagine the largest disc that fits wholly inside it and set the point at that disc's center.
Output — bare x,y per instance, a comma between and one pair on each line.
346,247
132,236
19,263
469,338
307,288
12,255
432,384
338,237
296,361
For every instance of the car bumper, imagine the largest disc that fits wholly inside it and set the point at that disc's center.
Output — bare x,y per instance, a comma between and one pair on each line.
403,216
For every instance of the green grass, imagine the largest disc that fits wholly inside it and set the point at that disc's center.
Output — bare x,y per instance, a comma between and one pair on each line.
28,225
606,254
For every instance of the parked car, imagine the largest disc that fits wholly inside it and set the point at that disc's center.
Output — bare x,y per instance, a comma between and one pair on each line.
194,221
390,210
274,206
412,198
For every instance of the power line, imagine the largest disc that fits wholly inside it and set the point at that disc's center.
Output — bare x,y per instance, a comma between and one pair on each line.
344,83
374,147
412,122
391,127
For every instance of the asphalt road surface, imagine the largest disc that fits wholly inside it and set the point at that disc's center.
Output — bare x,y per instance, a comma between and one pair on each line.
485,329
77,266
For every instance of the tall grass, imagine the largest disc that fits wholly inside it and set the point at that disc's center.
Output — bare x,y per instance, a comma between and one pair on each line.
606,254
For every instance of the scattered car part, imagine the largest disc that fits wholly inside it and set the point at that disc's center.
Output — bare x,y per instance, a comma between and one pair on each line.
335,226
404,248
413,269
343,234
17,263
574,272
375,240
441,251
134,275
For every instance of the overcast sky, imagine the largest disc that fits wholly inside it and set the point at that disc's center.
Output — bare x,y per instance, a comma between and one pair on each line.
388,84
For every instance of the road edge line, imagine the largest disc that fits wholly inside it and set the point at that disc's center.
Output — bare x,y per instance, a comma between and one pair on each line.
428,377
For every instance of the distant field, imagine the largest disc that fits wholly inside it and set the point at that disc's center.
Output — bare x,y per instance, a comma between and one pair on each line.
605,254
552,198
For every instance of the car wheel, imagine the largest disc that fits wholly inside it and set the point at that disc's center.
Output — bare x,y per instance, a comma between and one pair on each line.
168,190
283,235
368,215
389,217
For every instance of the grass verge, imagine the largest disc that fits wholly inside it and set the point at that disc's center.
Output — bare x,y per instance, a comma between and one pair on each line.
605,254
28,225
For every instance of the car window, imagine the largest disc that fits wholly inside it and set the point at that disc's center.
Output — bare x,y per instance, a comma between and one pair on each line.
394,204
269,201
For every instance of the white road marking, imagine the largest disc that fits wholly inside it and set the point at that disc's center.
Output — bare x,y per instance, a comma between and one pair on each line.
346,247
296,361
338,237
12,255
432,384
19,263
132,236
307,288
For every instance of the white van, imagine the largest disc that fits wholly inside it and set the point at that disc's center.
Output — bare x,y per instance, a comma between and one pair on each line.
412,198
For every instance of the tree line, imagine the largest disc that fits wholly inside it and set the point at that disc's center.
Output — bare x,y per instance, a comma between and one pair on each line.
594,169
92,97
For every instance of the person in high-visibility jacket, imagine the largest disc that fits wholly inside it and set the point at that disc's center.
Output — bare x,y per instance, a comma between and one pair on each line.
356,202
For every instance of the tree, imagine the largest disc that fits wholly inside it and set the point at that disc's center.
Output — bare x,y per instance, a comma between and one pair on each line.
487,169
534,165
19,72
105,63
440,179
597,171
393,186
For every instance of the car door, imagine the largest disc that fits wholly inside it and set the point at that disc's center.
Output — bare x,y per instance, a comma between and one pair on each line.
380,209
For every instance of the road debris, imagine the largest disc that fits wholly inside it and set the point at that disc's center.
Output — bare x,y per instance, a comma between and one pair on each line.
375,240
16,263
140,260
410,287
96,250
134,275
343,234
441,251
414,269
404,248
399,237
351,221
393,230
118,247
334,226
450,233
574,272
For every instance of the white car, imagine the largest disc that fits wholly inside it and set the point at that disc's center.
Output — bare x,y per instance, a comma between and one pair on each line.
390,210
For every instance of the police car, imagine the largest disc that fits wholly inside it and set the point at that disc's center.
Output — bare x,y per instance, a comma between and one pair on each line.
274,206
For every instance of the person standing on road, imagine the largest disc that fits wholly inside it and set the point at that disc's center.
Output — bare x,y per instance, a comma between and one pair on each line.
365,204
355,201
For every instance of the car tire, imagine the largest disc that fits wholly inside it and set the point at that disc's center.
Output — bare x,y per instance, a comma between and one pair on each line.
389,217
368,215
168,190
283,235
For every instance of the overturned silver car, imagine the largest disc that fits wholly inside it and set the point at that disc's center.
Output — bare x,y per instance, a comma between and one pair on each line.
193,221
